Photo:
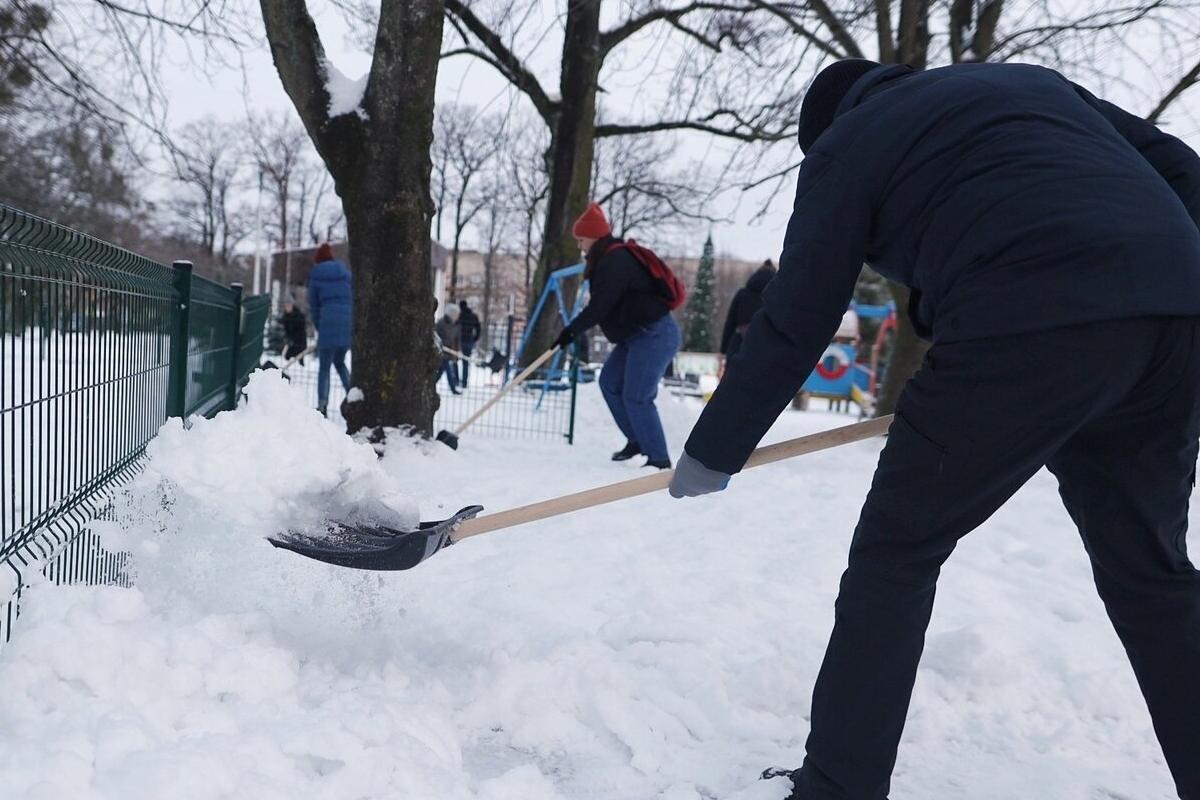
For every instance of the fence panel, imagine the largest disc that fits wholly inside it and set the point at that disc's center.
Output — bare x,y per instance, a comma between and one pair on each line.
85,365
541,408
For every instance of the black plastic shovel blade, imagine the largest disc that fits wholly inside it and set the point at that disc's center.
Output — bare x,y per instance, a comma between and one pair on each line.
374,546
449,439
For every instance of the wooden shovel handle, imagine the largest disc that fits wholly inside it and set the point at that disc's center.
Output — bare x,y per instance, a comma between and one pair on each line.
660,480
505,389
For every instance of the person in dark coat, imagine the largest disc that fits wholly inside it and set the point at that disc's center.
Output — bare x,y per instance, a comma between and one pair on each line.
746,302
449,332
331,303
1051,242
295,330
469,331
631,312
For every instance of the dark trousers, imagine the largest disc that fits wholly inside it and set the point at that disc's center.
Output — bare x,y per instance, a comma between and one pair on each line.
468,348
1113,409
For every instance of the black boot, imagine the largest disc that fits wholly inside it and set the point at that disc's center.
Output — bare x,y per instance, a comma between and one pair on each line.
627,452
663,464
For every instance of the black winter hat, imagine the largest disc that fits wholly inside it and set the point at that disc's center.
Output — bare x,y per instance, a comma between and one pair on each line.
823,97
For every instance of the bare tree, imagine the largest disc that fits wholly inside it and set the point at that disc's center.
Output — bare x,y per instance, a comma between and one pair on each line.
632,181
278,145
724,81
374,136
208,162
464,145
529,184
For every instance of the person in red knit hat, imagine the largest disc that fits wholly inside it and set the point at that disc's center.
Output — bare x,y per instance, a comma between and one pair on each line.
331,304
629,307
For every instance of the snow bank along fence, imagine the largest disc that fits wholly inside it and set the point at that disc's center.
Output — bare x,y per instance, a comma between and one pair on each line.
98,347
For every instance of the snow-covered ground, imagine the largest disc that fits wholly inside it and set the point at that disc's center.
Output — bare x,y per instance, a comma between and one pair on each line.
649,649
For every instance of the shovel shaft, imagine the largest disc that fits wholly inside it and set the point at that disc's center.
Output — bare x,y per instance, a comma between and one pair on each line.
662,479
505,389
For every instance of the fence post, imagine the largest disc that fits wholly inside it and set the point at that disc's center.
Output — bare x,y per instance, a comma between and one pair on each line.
177,370
236,348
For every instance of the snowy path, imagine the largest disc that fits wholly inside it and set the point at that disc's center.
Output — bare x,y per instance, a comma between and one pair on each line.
651,649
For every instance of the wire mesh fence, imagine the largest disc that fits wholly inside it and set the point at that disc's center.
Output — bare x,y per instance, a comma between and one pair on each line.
98,346
543,407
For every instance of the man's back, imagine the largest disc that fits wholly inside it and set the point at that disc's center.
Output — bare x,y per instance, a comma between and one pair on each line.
1010,202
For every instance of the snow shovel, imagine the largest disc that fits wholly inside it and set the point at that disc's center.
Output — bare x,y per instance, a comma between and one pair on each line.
451,439
381,548
495,363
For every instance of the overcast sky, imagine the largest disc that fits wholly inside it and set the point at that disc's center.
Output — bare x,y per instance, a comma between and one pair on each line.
229,92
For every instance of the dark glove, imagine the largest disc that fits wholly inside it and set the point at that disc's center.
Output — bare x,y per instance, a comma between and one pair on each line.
565,338
693,479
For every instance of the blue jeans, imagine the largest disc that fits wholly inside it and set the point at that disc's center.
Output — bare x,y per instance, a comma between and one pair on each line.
337,357
629,383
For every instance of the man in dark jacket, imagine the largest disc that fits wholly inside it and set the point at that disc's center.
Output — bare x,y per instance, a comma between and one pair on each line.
745,304
468,331
331,303
1051,243
295,329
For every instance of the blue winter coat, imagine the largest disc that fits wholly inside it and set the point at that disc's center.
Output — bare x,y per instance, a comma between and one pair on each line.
331,303
1008,198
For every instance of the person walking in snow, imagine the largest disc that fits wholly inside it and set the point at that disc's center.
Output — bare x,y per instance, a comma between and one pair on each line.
629,307
1051,243
449,334
295,331
746,302
331,303
469,331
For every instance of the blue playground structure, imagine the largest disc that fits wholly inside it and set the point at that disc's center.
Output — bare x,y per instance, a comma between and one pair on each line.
839,377
554,377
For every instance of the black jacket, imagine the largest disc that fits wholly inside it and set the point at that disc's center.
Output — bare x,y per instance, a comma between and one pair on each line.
295,328
623,300
469,325
745,304
1008,198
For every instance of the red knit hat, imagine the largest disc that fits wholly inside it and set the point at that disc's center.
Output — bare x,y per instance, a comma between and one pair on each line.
592,224
324,253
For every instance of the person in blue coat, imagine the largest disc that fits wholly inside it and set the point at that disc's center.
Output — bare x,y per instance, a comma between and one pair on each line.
331,305
1052,246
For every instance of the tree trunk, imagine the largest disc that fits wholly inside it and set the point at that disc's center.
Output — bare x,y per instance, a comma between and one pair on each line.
394,360
907,353
571,151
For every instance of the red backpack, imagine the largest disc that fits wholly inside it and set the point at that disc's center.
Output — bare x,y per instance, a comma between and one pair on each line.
670,288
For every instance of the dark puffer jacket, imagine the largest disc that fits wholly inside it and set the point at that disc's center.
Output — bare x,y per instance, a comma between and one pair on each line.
1008,198
624,299
745,304
331,303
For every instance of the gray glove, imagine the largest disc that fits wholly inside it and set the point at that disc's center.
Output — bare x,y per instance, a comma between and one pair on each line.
693,479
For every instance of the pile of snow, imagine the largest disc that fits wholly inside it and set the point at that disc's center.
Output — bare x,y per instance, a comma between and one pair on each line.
648,649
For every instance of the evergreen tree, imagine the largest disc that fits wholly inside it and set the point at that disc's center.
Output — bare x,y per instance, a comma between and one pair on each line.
698,319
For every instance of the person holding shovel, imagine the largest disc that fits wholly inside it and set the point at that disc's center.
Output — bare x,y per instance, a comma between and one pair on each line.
1050,241
628,304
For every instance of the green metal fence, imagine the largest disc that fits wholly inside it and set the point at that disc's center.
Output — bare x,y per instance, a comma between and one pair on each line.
98,347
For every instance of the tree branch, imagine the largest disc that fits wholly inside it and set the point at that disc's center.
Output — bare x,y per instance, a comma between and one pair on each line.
837,27
513,68
799,29
1182,85
744,134
299,58
611,38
